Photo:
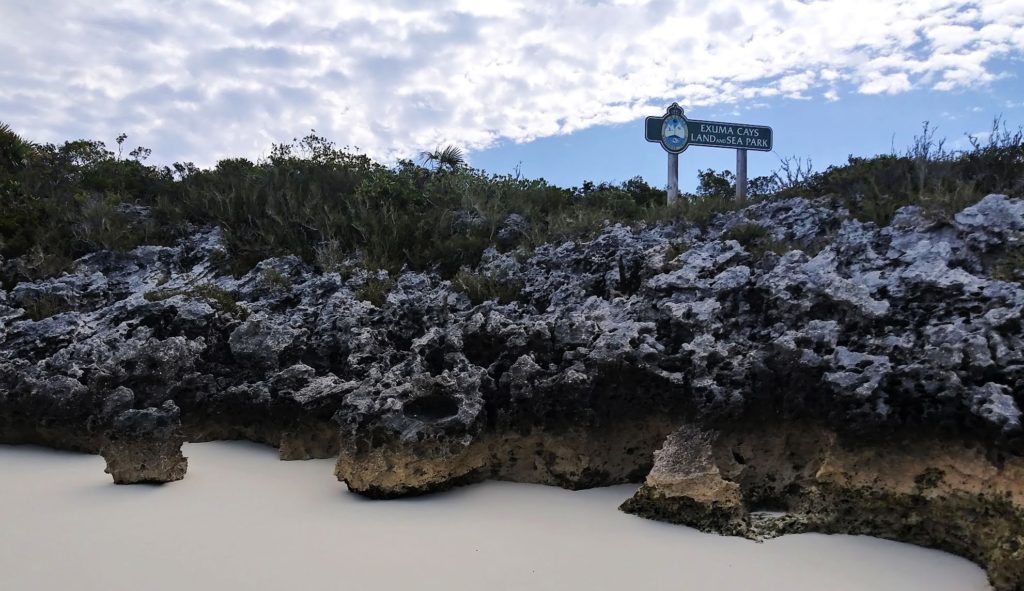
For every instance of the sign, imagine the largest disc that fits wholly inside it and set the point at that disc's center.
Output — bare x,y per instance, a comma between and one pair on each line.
675,133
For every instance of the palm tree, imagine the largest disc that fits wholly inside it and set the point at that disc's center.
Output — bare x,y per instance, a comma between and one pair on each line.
450,157
13,149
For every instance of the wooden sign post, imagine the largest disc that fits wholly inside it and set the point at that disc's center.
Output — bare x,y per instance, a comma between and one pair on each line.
675,133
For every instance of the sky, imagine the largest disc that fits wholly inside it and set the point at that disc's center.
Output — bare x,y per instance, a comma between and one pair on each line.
555,89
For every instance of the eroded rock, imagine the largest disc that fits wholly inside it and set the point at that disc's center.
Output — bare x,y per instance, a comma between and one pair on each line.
144,446
763,480
686,486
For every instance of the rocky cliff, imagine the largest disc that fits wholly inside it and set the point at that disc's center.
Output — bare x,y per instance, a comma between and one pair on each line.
785,369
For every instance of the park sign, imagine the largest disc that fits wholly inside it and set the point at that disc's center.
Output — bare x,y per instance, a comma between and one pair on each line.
675,133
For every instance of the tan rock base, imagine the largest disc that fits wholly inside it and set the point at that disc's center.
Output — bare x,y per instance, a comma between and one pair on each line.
569,459
768,481
133,462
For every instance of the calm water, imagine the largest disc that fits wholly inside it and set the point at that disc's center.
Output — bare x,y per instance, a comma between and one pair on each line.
243,520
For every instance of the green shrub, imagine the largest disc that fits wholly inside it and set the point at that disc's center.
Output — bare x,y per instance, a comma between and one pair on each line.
37,263
712,183
941,181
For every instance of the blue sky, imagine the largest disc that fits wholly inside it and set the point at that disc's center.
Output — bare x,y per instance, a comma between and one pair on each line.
826,131
557,88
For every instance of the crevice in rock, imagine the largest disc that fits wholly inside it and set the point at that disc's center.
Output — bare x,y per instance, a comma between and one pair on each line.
432,407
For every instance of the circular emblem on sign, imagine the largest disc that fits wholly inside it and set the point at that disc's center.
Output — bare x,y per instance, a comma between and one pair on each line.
674,133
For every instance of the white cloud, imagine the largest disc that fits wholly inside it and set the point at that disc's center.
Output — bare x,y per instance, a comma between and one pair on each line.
793,85
886,83
212,78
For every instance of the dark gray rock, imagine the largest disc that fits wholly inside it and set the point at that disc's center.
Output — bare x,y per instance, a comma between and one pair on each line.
467,220
512,231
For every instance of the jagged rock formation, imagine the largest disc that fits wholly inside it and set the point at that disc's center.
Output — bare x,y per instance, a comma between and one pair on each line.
145,445
827,340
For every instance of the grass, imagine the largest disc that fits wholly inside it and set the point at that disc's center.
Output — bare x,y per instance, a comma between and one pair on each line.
747,234
756,239
482,288
375,290
274,278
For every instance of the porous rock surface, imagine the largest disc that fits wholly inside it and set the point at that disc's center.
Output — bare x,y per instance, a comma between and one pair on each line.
144,445
867,380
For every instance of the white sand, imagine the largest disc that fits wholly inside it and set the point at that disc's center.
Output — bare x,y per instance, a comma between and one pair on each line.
243,520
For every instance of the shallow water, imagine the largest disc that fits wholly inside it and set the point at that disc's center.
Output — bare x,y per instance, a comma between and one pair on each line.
243,520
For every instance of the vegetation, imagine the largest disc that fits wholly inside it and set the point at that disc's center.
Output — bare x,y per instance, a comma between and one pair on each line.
675,249
448,158
275,279
14,151
753,237
209,293
45,307
375,290
747,234
1010,267
332,207
481,288
927,174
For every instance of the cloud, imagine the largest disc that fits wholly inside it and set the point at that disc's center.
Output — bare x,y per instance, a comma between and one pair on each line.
208,79
886,83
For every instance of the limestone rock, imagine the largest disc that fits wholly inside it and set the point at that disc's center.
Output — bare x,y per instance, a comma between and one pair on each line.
761,480
512,231
144,446
686,486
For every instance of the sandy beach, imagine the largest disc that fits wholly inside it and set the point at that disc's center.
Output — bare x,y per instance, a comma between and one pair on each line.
243,520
